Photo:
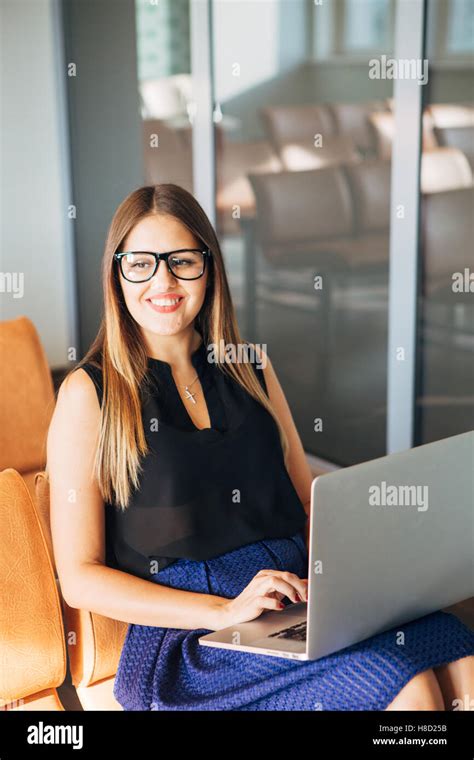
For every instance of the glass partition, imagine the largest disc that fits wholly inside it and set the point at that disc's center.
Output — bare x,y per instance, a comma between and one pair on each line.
445,401
165,88
303,158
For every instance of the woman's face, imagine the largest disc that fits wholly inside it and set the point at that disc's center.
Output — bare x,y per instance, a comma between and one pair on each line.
144,300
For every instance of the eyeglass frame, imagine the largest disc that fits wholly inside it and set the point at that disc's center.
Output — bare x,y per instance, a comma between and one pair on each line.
207,254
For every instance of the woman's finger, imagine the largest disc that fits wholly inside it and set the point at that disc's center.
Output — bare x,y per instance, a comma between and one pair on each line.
270,584
291,582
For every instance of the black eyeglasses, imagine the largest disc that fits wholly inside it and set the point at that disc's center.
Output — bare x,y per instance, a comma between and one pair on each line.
185,263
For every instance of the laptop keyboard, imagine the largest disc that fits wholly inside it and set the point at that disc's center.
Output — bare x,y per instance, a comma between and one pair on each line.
296,632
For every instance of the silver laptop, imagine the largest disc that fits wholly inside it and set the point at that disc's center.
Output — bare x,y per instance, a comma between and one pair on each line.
391,540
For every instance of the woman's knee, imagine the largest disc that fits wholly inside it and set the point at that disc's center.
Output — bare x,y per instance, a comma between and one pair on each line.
420,693
456,680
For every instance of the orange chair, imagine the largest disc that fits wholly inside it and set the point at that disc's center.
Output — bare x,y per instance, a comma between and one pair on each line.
26,401
32,647
94,642
26,406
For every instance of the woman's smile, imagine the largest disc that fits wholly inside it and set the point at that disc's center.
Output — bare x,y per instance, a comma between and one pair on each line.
165,304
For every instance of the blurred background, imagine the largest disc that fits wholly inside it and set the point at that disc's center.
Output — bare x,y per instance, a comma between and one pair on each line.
265,110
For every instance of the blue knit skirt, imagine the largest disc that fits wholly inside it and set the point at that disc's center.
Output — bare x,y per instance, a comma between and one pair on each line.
167,669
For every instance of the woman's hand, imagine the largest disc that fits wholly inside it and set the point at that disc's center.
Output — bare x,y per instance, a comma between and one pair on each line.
264,592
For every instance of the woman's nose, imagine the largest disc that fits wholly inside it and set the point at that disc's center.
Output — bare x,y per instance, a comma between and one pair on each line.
163,274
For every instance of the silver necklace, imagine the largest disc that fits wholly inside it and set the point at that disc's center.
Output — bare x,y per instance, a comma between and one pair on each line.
189,395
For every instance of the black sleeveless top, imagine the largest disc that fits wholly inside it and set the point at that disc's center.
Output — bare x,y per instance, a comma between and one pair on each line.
202,492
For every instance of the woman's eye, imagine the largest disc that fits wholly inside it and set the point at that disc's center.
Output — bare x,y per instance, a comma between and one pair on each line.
180,262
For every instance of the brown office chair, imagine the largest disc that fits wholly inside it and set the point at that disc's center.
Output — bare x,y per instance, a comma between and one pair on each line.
285,125
33,652
445,115
94,642
26,401
445,169
446,239
302,224
304,155
236,159
383,126
352,121
302,215
454,126
336,218
461,138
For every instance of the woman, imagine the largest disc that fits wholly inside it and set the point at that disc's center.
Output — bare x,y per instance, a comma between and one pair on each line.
180,492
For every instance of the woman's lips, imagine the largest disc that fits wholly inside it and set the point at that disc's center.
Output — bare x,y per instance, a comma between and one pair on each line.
166,309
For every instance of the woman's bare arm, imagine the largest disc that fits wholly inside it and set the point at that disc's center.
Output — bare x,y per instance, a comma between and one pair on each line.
78,528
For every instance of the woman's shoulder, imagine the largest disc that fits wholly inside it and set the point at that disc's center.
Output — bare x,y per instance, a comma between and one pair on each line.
79,380
76,407
94,370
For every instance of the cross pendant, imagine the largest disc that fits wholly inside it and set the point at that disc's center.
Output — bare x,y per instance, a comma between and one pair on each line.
190,395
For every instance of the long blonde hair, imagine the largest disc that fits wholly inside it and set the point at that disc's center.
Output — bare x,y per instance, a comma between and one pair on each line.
120,352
